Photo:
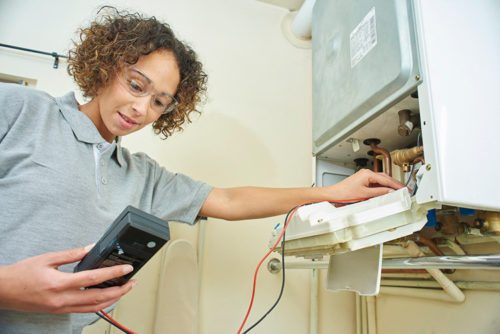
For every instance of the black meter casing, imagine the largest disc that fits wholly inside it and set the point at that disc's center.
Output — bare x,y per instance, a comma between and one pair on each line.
133,238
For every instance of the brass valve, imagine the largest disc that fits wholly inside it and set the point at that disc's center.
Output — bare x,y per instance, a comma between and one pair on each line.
405,156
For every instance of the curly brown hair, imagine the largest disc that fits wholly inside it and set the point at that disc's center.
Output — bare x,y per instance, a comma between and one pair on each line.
116,38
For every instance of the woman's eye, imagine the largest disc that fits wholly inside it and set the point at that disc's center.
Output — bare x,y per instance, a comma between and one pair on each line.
159,103
135,86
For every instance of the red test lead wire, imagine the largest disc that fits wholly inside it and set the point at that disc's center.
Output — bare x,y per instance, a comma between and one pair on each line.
292,212
116,323
258,266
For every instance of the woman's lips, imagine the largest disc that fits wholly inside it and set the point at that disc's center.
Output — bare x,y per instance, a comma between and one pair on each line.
126,122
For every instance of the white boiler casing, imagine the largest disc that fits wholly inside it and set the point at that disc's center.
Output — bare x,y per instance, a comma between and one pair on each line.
370,55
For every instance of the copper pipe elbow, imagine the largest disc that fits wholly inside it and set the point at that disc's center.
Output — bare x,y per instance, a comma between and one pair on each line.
387,158
431,245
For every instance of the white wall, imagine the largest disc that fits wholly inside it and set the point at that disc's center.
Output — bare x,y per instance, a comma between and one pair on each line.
254,130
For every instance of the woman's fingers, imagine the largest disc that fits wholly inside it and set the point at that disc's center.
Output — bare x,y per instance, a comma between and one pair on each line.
98,296
36,285
381,179
90,300
92,277
377,191
56,259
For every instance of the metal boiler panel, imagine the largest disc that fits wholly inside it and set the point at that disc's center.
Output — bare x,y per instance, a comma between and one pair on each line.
364,60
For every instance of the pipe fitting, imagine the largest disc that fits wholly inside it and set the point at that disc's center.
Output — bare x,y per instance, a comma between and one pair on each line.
491,222
274,266
407,122
373,143
400,157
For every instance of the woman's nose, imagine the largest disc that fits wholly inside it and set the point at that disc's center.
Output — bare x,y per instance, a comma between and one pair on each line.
141,104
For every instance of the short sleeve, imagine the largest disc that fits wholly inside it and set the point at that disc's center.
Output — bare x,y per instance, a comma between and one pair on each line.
177,197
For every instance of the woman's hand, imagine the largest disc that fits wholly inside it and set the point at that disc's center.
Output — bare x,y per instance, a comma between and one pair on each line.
363,184
36,285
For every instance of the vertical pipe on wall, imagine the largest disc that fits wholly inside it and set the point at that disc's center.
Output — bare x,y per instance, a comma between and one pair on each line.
200,252
371,314
358,314
364,324
301,25
313,321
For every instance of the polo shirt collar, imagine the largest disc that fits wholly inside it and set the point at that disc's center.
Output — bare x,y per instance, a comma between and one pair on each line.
82,126
119,153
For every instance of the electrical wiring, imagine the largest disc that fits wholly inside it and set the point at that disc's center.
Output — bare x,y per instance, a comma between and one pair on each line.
257,271
105,316
282,239
415,190
107,320
282,280
411,175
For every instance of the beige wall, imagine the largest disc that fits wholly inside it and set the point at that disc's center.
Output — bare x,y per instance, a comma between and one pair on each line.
479,314
254,130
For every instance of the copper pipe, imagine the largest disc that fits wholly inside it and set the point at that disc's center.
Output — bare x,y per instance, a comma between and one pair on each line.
373,142
375,163
404,271
375,160
435,249
387,158
431,245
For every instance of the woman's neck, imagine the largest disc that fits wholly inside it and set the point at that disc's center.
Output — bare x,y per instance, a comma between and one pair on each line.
92,110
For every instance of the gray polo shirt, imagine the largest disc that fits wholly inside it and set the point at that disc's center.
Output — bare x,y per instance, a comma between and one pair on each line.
54,195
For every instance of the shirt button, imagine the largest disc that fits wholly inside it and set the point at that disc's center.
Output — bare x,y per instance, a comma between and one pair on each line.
104,180
99,146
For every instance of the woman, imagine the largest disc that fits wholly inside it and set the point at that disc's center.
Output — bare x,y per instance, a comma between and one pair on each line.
64,175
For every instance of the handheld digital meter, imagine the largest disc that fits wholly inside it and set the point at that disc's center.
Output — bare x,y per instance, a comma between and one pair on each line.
133,238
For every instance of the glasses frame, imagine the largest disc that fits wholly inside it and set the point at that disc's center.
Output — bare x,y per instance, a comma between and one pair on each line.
124,76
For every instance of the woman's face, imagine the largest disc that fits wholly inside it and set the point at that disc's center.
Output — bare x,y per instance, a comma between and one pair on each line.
137,96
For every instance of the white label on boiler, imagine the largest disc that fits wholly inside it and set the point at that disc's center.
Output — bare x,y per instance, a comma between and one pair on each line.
363,38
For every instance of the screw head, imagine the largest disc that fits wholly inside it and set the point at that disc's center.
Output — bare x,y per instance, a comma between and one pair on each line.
428,167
